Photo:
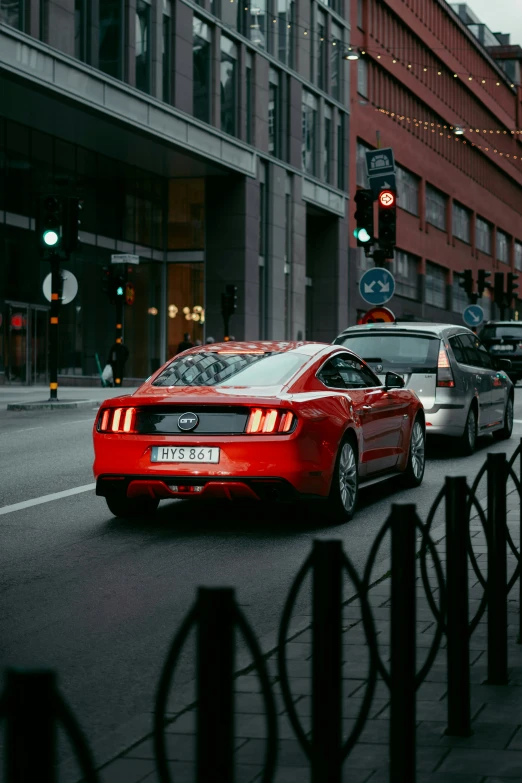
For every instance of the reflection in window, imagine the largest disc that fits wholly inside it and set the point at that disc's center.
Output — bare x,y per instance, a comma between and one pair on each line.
483,236
309,132
436,204
502,247
461,223
111,37
362,77
81,30
249,99
336,62
228,77
258,24
321,50
12,12
166,53
404,268
142,50
407,190
435,285
201,56
185,303
285,31
518,256
327,144
274,119
340,152
186,212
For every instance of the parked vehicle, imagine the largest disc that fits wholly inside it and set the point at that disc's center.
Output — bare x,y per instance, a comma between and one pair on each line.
464,390
259,421
504,339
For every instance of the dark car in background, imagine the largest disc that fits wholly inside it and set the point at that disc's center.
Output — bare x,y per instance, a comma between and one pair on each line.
503,339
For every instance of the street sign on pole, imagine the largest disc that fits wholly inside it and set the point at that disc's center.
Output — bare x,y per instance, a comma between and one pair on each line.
125,258
70,286
377,286
382,182
379,162
473,315
377,315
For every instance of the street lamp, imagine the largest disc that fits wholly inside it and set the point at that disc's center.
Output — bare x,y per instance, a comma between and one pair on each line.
351,54
458,131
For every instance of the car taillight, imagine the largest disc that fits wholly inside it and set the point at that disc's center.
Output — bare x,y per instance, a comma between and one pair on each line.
268,421
118,420
444,373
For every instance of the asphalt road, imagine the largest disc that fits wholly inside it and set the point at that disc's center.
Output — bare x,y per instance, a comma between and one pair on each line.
99,599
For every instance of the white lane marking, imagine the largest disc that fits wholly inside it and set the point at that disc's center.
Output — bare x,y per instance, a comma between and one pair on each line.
517,421
76,421
46,499
27,429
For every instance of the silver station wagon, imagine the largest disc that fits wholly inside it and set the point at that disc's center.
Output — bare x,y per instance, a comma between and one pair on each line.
464,390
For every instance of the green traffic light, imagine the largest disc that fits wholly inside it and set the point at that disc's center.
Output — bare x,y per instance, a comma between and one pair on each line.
50,238
119,291
362,235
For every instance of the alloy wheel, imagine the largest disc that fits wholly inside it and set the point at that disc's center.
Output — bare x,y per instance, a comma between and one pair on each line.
509,415
417,450
472,429
347,477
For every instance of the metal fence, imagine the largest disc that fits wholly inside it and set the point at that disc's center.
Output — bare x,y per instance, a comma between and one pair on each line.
32,707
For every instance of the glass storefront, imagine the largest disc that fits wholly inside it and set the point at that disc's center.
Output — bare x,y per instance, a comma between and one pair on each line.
161,220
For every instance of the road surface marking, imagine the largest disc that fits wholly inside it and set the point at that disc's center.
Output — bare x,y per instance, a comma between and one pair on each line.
517,421
11,432
46,499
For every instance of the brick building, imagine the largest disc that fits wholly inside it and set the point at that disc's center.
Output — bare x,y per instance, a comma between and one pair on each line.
425,74
208,138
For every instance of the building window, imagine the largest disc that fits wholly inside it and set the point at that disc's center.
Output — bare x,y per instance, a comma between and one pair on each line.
336,62
166,53
12,13
518,256
436,203
407,190
82,27
483,236
362,77
249,99
274,115
142,51
404,269
309,137
340,152
228,86
361,172
258,26
263,236
461,223
459,296
111,37
435,285
285,31
327,144
502,247
320,50
360,14
201,57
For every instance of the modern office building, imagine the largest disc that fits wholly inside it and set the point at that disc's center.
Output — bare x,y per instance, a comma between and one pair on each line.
208,138
427,85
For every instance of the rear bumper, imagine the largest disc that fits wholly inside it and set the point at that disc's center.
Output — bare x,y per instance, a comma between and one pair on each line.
442,420
204,488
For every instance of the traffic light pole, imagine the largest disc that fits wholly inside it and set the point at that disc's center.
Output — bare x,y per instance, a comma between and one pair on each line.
119,328
56,285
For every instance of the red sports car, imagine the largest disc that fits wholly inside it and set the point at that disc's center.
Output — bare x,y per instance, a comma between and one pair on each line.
260,420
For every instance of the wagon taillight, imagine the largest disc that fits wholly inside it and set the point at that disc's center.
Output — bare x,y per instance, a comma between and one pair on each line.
117,420
444,372
268,421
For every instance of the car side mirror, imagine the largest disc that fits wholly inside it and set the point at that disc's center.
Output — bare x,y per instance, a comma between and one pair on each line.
504,364
394,381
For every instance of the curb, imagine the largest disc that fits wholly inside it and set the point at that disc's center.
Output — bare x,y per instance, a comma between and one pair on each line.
56,405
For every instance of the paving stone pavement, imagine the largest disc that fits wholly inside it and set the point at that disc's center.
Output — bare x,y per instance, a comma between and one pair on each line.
492,754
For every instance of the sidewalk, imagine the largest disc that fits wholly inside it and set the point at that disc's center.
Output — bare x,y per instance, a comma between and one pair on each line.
493,754
25,398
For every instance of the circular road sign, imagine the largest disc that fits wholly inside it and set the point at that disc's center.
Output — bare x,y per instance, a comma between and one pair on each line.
387,198
378,315
473,315
70,286
377,286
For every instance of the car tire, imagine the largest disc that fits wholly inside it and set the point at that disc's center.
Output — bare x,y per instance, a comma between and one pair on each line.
468,438
130,508
414,473
344,491
507,429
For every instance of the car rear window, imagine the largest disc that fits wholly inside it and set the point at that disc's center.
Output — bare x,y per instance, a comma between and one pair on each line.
492,332
231,369
395,352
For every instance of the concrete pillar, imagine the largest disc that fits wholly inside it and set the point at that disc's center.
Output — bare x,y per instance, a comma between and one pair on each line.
327,250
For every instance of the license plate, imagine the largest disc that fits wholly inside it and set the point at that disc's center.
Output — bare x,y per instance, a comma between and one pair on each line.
200,454
504,347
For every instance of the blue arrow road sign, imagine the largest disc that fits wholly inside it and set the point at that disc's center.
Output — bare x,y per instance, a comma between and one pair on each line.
473,315
377,286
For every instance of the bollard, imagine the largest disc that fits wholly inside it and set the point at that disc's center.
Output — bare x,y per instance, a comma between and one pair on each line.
497,570
30,709
326,740
457,527
402,660
215,673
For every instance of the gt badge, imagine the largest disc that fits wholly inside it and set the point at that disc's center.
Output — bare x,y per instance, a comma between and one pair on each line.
188,421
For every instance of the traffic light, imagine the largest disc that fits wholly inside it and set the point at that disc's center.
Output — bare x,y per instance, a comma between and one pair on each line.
387,206
50,224
511,287
119,288
364,231
467,281
71,223
229,300
482,282
498,291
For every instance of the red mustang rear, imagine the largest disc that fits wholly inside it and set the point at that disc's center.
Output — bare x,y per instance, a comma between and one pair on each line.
262,420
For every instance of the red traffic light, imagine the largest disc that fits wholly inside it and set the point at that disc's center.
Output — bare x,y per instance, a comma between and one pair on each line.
387,199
